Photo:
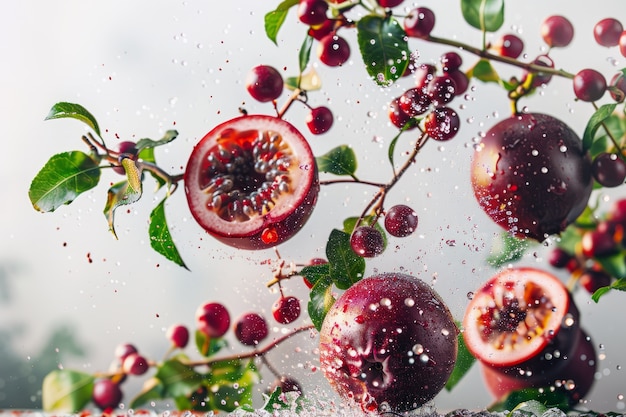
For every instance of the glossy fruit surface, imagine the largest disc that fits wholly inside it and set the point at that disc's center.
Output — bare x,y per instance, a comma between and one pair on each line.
413,102
251,182
531,176
123,350
607,32
264,83
333,50
251,329
178,334
286,309
518,319
609,170
398,117
589,85
367,241
401,220
213,319
388,339
419,22
509,45
442,123
106,394
135,364
618,81
126,149
557,31
319,120
312,12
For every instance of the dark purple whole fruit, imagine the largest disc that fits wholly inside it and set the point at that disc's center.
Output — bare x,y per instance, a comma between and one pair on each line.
589,85
557,31
264,83
389,340
251,329
106,394
609,170
400,220
531,176
607,32
419,22
367,241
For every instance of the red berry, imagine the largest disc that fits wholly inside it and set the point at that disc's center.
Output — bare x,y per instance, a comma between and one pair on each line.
450,61
424,75
622,44
609,170
597,243
286,309
319,31
401,220
419,22
264,83
319,120
106,394
135,364
414,102
312,12
540,78
367,241
442,123
461,82
557,31
592,280
251,329
126,149
441,90
589,85
314,261
390,3
178,334
618,87
397,116
333,50
607,32
509,45
123,350
559,258
213,319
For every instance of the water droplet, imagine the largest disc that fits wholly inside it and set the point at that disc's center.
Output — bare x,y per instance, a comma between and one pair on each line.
409,302
418,349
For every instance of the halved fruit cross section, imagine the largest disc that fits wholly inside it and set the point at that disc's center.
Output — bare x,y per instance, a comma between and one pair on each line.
252,182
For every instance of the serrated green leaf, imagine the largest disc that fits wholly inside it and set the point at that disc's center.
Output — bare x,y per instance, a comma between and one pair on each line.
320,301
339,161
305,52
384,48
464,362
275,19
160,236
147,143
533,407
75,111
484,71
314,273
119,194
151,390
485,15
209,346
66,391
346,267
63,178
596,120
177,378
234,392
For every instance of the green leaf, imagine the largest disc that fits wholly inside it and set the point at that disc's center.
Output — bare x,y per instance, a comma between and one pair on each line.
160,236
121,194
177,378
314,273
614,264
384,48
510,249
321,300
532,400
619,285
596,120
486,15
305,52
208,346
152,389
275,19
339,161
75,111
484,71
346,267
464,362
237,389
599,293
147,143
64,177
66,391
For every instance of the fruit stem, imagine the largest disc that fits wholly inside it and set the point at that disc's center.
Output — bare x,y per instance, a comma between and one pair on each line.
295,96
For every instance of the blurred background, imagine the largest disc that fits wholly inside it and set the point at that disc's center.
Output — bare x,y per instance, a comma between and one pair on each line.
70,292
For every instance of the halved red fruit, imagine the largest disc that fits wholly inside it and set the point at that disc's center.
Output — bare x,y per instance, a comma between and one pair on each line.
523,320
252,182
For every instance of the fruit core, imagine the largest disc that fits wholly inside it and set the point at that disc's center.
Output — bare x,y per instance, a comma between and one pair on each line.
246,173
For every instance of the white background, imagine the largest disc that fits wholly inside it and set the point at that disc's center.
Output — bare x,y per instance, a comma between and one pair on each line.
143,67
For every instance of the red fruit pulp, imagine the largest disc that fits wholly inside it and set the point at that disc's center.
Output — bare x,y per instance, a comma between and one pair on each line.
252,182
